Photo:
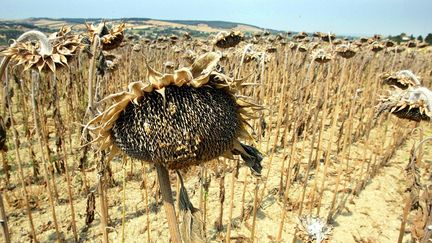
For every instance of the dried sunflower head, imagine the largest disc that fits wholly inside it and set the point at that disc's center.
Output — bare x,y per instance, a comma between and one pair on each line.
328,37
302,48
187,36
107,63
321,56
279,37
47,54
300,36
110,38
228,39
377,47
293,46
337,42
414,103
411,44
271,49
364,39
346,51
317,34
402,79
389,43
137,47
179,119
169,65
422,44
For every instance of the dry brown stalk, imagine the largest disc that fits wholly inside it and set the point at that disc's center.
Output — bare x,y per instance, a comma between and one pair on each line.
234,176
39,133
165,187
20,167
4,220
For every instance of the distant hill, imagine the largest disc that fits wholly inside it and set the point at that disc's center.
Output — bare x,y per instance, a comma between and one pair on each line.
151,28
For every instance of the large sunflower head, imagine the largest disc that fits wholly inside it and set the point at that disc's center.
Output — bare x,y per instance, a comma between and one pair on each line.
180,119
47,54
413,103
402,79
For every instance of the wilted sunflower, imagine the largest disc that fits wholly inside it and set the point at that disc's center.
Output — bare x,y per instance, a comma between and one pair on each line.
300,36
110,38
228,39
364,39
137,47
317,34
169,65
422,44
389,43
321,56
411,44
414,103
302,48
179,119
402,79
328,37
107,63
377,47
345,51
337,42
271,49
187,36
47,54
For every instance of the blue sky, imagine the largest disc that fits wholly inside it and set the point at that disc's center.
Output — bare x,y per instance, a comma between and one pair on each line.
358,17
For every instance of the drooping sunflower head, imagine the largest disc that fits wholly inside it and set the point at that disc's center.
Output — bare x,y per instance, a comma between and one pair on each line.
179,119
402,79
300,36
346,51
110,38
413,103
47,54
228,39
376,46
328,37
321,56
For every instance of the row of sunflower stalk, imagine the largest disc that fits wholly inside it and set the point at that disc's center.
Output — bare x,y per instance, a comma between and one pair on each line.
46,55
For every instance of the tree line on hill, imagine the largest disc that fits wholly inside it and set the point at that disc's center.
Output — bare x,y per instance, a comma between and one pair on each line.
404,37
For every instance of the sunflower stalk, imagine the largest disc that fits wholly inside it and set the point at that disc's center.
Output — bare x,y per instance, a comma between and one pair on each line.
60,134
146,201
4,221
20,167
192,227
34,80
165,188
